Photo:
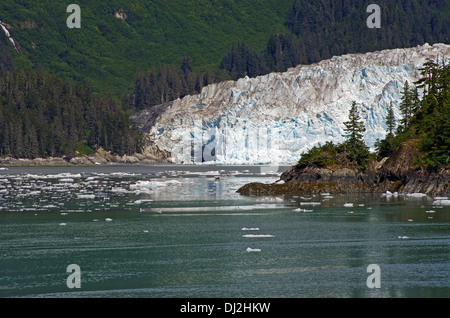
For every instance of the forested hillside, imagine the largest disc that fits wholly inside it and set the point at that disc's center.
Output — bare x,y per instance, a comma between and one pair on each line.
42,114
320,29
119,37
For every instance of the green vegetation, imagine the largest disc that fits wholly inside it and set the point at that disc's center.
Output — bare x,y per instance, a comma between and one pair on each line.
426,119
353,152
42,114
228,38
320,29
107,52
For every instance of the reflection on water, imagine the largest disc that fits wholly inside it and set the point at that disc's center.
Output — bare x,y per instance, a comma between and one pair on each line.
177,231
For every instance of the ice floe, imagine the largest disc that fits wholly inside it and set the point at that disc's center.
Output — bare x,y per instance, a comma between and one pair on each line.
250,229
257,235
441,202
301,210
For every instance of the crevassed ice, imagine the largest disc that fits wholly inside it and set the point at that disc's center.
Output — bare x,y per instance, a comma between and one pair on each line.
272,119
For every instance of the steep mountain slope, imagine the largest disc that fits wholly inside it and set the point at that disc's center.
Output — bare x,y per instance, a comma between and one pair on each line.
119,37
272,119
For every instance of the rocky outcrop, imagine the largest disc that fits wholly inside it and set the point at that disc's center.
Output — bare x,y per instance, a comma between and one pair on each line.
394,174
151,154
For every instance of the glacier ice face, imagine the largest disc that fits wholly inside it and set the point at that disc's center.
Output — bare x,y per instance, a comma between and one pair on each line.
272,119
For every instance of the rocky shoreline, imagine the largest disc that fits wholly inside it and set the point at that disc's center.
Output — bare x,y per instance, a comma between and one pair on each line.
394,174
150,155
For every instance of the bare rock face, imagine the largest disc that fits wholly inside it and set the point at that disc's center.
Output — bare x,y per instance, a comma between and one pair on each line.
401,162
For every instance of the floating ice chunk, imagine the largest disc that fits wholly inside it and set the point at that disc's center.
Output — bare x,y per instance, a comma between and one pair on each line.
108,219
85,196
301,210
142,201
410,220
119,190
249,249
66,180
441,198
403,237
348,205
416,195
63,223
250,229
153,184
310,203
257,235
441,202
430,211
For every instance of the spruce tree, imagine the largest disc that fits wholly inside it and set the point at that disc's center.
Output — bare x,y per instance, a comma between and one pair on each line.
405,108
356,149
390,121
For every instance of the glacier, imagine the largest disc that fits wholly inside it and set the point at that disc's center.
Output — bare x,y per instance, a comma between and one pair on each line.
274,118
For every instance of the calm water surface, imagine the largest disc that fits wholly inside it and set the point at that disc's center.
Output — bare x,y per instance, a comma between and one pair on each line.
177,231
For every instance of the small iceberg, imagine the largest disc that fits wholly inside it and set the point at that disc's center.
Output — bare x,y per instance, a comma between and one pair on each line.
416,195
302,210
250,229
257,235
310,203
441,202
249,249
403,237
86,196
108,219
348,205
63,224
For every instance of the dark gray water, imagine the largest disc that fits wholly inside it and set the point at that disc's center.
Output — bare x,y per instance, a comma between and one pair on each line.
177,231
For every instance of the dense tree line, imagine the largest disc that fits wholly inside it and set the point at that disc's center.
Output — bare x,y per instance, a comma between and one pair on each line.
426,119
334,27
43,115
167,83
321,29
281,52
